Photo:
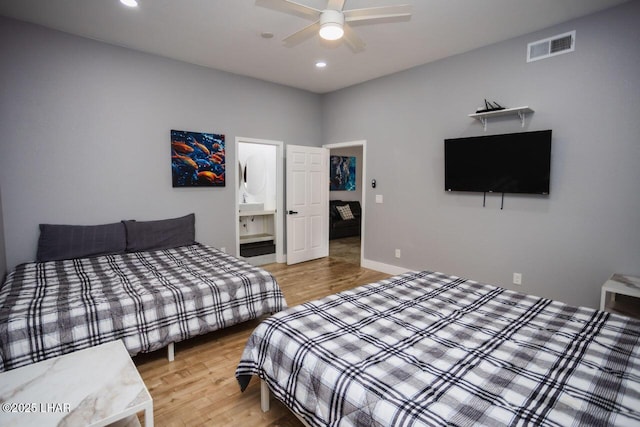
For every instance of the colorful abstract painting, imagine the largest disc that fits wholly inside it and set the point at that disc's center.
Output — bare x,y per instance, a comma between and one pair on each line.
342,173
197,159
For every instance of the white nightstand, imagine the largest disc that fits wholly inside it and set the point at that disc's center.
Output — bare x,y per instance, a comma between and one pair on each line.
621,295
96,386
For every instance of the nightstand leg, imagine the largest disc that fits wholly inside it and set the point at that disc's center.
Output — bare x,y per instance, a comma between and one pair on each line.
148,416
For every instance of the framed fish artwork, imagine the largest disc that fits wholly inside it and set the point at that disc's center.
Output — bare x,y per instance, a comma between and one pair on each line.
197,159
342,173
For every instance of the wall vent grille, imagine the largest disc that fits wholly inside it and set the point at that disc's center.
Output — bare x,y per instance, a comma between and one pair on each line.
552,46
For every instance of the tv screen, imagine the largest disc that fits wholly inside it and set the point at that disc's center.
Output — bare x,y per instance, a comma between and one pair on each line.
509,163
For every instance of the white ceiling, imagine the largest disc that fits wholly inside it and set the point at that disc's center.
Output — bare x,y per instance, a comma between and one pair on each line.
226,34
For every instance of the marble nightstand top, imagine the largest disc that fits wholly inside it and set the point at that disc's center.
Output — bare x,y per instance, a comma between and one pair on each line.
92,387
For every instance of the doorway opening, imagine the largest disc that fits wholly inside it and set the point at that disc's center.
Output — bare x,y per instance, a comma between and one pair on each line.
259,200
346,236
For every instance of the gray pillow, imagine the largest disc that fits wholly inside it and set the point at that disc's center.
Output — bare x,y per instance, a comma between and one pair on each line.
162,234
58,242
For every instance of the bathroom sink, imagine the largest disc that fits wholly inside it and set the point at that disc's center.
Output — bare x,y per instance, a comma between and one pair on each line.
244,207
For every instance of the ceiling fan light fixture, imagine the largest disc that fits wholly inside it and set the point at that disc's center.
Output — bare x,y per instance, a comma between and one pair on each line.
331,22
331,31
129,3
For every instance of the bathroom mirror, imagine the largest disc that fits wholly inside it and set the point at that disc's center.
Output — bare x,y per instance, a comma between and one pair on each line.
254,174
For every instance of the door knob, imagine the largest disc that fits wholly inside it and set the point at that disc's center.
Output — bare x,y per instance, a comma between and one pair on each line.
292,212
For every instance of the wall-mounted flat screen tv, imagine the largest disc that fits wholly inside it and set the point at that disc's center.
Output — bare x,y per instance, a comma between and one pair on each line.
508,163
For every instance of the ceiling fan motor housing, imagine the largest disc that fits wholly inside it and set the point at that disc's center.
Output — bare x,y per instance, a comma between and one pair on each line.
331,23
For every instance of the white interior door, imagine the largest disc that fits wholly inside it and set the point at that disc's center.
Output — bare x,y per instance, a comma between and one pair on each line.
307,203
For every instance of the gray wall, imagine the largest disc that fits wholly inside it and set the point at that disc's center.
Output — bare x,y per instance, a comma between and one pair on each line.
85,133
565,245
3,258
349,195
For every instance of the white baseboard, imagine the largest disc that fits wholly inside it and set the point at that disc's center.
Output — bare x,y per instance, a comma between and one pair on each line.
372,265
385,268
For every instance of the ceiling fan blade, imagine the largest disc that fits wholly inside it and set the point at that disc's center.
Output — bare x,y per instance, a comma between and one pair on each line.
372,13
290,7
335,4
352,40
302,35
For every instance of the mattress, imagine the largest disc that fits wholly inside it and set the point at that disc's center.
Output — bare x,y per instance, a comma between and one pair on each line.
147,299
427,349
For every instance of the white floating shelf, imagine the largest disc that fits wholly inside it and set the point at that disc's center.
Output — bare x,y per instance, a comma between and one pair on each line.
253,238
519,111
256,213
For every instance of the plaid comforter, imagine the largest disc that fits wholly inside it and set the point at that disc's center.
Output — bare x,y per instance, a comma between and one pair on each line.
425,349
147,299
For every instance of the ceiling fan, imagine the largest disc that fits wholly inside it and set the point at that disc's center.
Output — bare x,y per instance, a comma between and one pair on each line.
332,22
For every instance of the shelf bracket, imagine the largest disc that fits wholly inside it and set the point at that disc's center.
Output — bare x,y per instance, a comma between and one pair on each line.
484,121
522,116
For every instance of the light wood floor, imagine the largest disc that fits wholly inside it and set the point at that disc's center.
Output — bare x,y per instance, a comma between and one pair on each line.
199,387
346,249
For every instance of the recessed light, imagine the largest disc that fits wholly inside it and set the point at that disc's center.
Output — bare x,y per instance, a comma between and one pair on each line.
321,64
267,35
129,3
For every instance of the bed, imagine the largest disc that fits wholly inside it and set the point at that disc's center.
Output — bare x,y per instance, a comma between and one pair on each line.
427,349
148,291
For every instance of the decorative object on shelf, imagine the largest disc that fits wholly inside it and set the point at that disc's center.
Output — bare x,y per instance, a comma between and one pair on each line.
520,111
490,106
197,159
342,173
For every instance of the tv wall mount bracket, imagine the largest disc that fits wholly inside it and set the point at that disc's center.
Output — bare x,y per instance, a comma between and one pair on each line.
484,200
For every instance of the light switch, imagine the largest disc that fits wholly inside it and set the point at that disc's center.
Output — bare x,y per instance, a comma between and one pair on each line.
378,198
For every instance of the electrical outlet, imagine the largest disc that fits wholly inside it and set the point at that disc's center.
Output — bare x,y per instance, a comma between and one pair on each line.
397,253
517,279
